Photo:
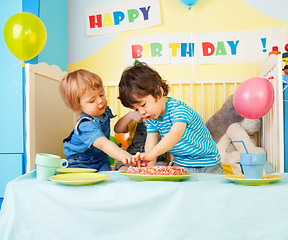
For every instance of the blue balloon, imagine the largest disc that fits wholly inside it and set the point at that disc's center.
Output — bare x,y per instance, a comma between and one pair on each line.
189,2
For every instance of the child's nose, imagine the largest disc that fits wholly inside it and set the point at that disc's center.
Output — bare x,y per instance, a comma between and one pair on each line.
100,100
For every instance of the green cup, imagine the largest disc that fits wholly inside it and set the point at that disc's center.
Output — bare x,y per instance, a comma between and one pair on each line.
46,165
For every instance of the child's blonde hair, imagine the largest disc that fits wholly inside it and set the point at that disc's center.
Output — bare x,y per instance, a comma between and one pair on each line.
75,84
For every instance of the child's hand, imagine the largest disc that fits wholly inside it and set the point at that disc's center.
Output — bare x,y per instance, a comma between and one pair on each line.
129,160
121,125
141,159
136,116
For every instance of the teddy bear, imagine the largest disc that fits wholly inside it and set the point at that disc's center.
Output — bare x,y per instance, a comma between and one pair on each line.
228,130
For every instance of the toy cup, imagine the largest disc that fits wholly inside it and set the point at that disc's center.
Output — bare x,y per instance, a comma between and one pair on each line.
46,165
252,164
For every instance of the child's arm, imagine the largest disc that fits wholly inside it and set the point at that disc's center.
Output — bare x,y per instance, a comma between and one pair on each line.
122,124
112,150
151,142
166,143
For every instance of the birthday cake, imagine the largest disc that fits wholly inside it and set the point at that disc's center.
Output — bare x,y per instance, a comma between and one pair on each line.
157,170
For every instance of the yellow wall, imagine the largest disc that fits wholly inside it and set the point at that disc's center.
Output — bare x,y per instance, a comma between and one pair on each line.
204,17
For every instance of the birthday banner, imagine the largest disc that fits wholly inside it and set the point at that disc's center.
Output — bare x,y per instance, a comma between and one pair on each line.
122,16
208,48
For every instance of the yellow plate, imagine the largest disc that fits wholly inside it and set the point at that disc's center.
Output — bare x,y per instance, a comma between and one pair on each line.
75,170
144,177
78,179
241,180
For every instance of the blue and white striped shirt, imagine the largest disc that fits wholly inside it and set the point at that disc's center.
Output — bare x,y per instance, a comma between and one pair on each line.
196,147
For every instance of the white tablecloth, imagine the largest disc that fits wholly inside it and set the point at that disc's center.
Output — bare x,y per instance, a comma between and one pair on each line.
203,207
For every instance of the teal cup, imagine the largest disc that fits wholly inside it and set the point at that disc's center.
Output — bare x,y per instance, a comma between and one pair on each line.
252,164
46,165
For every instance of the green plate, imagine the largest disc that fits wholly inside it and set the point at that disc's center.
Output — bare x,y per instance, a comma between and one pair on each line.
79,179
239,179
75,170
145,177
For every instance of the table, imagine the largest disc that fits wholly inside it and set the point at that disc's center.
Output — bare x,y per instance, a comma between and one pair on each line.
203,207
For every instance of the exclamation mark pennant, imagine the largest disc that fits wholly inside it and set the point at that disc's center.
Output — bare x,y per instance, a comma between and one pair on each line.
264,40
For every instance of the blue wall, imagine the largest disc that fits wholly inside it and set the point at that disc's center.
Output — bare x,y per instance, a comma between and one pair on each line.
53,13
11,104
11,88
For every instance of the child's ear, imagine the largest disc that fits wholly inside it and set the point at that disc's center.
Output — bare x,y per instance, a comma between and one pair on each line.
159,92
78,110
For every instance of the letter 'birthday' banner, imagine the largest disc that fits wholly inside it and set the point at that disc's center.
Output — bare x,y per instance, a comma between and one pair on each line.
123,16
208,48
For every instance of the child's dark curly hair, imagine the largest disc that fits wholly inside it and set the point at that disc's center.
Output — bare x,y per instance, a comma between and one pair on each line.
139,81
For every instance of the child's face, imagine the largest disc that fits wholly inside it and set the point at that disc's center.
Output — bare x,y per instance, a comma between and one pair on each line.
151,108
93,102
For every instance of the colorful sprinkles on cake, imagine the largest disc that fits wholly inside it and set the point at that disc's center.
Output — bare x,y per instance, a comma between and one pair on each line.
157,170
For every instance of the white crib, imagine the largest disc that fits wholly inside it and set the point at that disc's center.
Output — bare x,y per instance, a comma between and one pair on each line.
272,134
195,91
48,120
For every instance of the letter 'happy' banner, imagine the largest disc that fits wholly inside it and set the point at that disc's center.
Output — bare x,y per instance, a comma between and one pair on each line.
123,16
206,48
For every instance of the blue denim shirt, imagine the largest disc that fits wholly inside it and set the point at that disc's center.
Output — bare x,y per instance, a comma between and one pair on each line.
78,146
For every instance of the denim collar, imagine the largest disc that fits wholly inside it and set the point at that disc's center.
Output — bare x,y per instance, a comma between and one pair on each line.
97,118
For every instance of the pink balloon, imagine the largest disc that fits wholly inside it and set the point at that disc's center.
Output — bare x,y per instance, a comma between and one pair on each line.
254,98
